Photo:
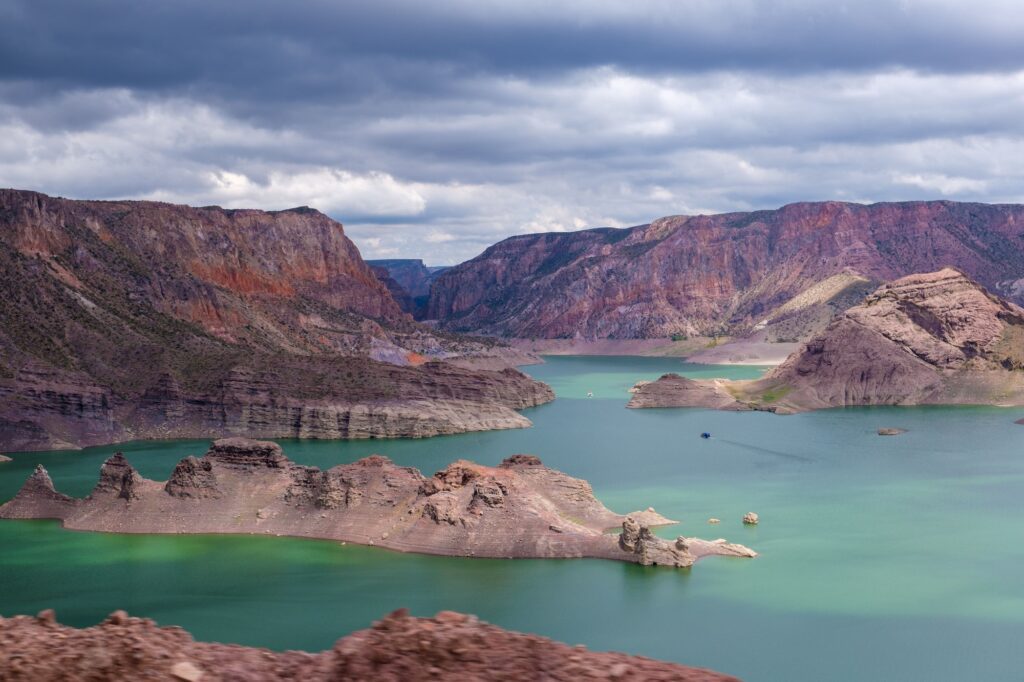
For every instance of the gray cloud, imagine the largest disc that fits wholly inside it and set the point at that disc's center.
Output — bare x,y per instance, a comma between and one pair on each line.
435,129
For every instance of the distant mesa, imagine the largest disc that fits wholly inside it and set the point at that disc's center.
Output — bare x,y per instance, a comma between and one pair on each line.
519,509
450,646
926,339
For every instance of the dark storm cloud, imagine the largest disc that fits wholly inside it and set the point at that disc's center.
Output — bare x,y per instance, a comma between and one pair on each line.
322,49
436,128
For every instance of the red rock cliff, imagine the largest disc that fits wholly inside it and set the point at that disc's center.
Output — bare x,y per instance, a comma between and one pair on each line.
124,320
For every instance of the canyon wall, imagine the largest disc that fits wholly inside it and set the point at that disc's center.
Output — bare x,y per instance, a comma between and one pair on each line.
123,320
729,273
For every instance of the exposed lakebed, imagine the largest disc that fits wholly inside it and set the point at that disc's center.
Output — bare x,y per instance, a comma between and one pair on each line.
885,558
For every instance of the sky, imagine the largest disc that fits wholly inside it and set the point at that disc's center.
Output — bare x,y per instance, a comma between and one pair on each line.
434,129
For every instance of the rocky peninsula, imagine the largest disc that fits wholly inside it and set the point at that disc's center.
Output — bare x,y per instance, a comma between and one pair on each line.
450,646
925,339
519,509
126,320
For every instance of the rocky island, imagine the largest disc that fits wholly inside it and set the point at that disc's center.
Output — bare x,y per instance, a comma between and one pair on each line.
925,339
520,509
398,647
125,320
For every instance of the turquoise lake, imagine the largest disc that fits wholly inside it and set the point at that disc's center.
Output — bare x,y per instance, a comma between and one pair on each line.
882,558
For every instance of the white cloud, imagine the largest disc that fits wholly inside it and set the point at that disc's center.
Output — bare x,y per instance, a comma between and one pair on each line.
944,184
507,155
328,189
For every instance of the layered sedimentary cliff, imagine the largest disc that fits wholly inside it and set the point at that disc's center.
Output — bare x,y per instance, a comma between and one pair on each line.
789,271
930,338
934,338
449,646
123,320
516,510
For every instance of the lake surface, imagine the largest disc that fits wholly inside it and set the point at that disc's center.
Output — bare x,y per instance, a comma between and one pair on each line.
883,558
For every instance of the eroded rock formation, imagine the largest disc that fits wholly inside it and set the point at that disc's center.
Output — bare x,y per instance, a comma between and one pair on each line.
449,646
126,320
790,270
934,338
923,339
516,510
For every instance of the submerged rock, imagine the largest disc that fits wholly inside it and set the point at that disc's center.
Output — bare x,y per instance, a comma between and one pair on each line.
890,431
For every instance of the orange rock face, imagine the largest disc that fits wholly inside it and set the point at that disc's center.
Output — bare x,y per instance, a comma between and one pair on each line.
148,320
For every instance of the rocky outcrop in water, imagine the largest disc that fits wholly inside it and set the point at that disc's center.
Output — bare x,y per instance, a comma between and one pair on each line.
126,320
673,390
790,270
448,646
934,338
516,510
924,339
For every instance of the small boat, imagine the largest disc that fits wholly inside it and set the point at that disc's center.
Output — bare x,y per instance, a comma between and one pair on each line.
705,435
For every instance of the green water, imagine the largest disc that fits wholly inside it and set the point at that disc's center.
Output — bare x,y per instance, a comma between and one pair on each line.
883,558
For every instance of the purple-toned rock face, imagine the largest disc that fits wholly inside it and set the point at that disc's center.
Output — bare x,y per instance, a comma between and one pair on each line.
398,647
932,338
927,338
520,509
126,320
705,274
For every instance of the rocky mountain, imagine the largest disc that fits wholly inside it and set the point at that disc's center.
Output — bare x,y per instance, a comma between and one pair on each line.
519,509
125,320
934,338
449,646
410,273
408,280
787,271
